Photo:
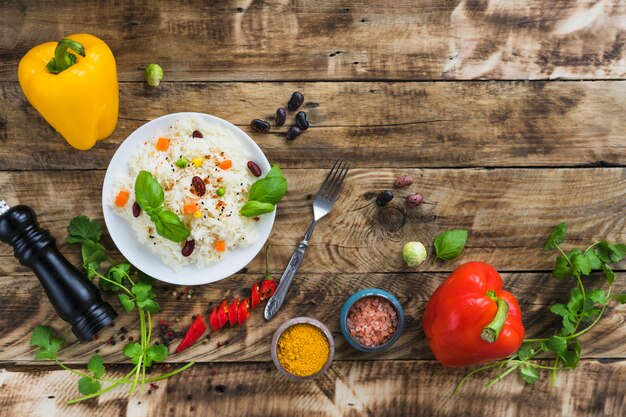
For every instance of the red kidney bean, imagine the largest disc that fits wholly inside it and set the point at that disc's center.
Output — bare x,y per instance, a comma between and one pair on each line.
295,101
254,168
281,116
197,134
198,185
136,209
260,126
414,200
301,120
188,248
293,132
403,181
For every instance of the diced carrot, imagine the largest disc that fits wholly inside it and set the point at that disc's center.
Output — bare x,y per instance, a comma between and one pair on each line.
190,208
163,144
122,198
226,164
220,246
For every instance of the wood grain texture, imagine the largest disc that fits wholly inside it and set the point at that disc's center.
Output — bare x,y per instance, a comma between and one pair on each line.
371,124
333,40
315,295
509,213
391,388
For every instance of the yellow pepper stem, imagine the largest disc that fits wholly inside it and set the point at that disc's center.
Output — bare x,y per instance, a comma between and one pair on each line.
62,58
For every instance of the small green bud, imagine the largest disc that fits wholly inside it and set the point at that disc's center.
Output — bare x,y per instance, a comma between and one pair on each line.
221,191
153,74
182,163
414,254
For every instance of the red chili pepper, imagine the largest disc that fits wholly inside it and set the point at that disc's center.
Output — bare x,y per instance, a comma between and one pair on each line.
243,311
213,320
268,287
222,313
232,312
196,330
255,296
470,320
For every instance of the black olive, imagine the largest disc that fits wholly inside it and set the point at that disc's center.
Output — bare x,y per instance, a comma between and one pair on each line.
301,120
295,101
293,132
281,116
260,126
384,198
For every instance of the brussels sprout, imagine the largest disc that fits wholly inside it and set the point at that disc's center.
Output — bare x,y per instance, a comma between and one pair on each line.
414,254
153,74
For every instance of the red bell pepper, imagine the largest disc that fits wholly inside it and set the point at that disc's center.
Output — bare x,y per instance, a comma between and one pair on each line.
196,330
470,320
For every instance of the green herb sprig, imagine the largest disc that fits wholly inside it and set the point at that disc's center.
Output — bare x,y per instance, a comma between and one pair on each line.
150,197
449,244
582,311
134,290
265,193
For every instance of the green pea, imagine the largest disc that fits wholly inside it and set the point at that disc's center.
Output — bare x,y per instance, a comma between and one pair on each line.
221,191
182,163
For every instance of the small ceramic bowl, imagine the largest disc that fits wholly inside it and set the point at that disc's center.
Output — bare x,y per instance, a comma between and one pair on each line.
371,292
300,320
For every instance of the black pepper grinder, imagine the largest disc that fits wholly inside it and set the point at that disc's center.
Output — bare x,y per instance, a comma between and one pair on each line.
75,298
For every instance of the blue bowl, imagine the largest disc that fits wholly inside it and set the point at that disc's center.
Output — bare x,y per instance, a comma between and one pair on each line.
371,292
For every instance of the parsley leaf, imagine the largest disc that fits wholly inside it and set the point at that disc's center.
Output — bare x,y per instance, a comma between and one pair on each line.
525,352
156,353
93,254
569,319
87,386
562,268
571,356
149,305
128,304
608,273
556,237
556,344
594,262
133,351
96,366
141,291
81,229
609,252
580,262
450,244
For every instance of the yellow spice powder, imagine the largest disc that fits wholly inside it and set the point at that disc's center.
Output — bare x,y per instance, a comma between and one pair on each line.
303,349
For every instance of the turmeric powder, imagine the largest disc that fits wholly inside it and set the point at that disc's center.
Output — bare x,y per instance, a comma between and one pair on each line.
303,349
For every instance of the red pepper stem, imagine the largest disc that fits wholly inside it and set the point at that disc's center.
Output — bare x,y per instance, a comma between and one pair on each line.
62,58
491,332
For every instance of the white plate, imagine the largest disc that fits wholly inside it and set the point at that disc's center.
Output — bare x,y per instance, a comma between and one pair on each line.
149,261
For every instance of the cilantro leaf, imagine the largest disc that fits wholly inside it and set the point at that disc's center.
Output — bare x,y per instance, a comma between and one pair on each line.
43,337
128,304
525,352
609,252
133,351
556,344
117,273
96,366
87,386
93,254
620,298
156,353
562,268
149,305
575,301
608,273
569,319
571,357
580,263
597,296
529,374
594,262
81,229
556,237
141,291
450,244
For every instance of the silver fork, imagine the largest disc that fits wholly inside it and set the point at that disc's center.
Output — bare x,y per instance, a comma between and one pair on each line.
322,204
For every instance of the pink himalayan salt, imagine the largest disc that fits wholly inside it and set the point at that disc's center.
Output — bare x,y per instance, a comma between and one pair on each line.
372,321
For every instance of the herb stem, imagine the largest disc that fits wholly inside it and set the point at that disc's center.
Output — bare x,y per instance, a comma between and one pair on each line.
169,374
124,380
508,371
539,340
475,371
81,374
586,329
114,283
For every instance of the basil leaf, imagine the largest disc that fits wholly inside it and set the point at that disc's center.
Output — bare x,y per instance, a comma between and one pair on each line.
148,192
170,226
556,237
255,208
269,190
529,374
450,244
275,171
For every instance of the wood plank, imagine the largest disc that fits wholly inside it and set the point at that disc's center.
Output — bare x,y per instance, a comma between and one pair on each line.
395,124
392,388
508,212
336,40
316,295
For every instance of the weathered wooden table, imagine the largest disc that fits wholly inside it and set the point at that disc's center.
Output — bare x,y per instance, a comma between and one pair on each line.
511,120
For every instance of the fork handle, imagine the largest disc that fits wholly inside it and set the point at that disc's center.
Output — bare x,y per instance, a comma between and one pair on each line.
276,301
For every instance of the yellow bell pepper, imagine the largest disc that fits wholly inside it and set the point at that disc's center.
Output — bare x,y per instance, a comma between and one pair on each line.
76,93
